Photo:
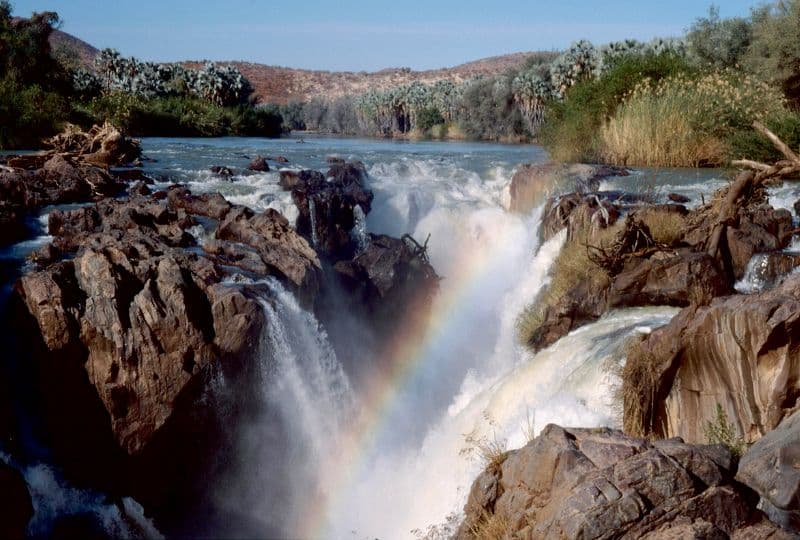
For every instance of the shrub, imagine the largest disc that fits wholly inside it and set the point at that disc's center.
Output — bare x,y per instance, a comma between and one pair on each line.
571,130
181,116
429,117
488,110
665,227
774,52
292,115
721,431
682,121
28,114
749,144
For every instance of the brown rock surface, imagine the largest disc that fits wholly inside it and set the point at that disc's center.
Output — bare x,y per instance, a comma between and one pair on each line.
284,251
598,483
740,352
772,468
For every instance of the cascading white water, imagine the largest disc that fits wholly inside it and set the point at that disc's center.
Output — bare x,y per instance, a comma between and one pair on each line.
53,498
420,491
754,279
306,400
312,216
359,232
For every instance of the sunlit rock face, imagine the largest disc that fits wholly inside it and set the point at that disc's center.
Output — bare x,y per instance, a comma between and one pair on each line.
740,352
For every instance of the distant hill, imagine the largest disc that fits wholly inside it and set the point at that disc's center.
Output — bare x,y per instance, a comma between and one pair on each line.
83,53
274,84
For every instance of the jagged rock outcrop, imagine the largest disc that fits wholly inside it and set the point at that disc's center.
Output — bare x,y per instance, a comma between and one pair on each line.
772,468
678,278
292,179
532,183
598,483
128,329
740,352
329,206
279,247
672,264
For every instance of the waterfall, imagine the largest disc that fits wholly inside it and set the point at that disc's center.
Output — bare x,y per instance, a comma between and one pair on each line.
755,275
359,232
409,465
305,401
312,216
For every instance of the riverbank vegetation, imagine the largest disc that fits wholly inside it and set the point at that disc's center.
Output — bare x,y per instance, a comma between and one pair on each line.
687,101
41,89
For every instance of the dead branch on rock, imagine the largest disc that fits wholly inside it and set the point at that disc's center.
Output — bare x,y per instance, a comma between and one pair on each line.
634,241
419,251
780,169
748,185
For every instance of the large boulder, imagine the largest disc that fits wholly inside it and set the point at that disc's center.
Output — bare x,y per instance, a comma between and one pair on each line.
598,483
282,250
677,278
740,352
258,164
211,205
330,207
772,468
388,276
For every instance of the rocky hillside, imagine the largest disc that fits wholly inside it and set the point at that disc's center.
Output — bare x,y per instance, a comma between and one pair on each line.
82,52
275,84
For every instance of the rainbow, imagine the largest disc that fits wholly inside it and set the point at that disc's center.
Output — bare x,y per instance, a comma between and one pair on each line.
426,328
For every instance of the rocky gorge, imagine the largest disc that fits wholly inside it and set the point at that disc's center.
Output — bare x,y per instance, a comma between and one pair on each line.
152,332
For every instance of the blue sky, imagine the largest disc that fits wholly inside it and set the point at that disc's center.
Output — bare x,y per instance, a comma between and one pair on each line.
363,34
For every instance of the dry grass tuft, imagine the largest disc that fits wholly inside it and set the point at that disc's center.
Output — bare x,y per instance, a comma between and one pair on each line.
638,390
491,527
491,451
571,268
665,227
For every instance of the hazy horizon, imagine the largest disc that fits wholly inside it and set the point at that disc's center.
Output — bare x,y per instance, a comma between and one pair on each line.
369,36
